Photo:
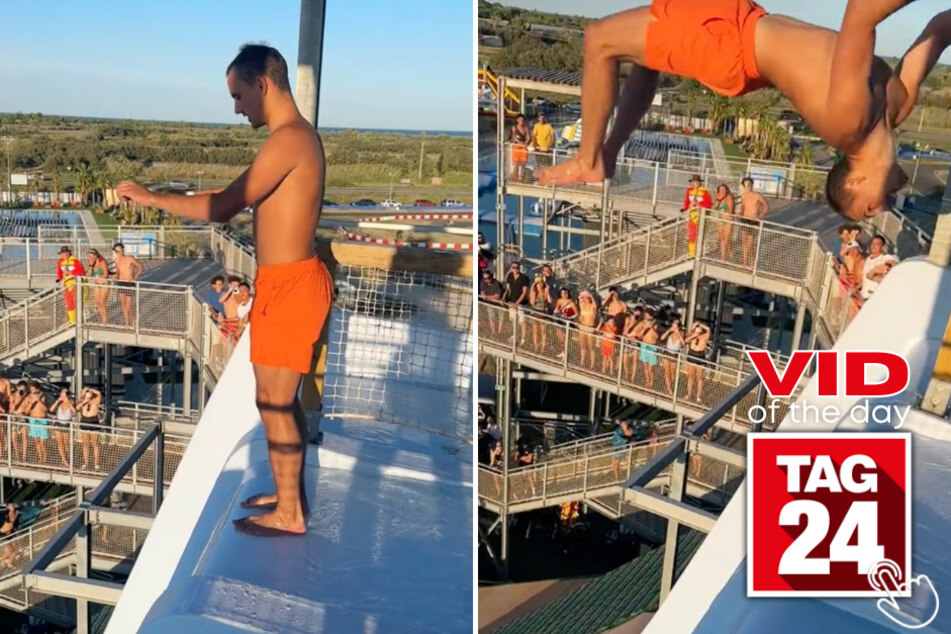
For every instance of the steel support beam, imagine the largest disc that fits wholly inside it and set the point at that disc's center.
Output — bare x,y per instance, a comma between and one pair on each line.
716,452
681,512
59,541
103,592
124,519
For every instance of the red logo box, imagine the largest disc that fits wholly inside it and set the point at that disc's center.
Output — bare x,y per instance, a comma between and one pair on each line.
822,509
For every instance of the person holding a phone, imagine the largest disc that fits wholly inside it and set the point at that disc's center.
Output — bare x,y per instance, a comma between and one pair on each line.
877,265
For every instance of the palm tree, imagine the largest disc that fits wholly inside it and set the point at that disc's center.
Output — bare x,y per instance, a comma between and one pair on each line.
719,111
56,180
85,180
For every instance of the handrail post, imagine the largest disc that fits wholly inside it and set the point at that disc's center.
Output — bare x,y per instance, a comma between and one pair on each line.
26,328
654,192
138,291
620,361
647,250
564,361
584,480
759,241
544,482
28,258
677,367
158,481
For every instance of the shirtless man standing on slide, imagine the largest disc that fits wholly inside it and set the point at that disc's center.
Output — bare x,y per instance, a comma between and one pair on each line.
849,97
294,290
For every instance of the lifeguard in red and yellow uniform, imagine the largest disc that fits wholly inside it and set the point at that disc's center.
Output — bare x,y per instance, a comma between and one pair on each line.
67,270
697,197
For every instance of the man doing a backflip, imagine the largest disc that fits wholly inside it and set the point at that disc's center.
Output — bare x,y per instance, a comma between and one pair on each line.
849,97
294,290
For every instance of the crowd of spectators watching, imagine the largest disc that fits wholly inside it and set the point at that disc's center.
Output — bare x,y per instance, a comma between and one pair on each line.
230,306
860,268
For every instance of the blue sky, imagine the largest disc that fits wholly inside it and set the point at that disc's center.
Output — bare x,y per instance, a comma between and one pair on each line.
387,64
894,36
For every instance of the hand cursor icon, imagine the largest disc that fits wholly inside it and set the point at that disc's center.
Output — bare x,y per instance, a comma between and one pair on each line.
912,613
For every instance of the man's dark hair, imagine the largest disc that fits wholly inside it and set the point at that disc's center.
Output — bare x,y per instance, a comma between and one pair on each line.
216,279
119,245
879,237
837,193
257,60
846,227
746,180
245,285
234,278
34,385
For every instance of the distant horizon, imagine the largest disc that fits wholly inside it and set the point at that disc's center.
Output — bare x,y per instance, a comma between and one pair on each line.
332,128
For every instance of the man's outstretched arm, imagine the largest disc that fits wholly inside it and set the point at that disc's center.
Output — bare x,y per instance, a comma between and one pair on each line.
272,164
921,59
849,99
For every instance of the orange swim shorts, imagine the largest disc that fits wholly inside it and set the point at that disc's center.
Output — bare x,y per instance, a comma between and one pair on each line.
711,41
291,304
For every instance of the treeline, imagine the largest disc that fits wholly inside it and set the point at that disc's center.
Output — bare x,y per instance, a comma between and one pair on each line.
124,149
518,18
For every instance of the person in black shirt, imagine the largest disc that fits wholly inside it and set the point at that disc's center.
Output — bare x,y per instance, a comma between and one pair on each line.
516,294
492,292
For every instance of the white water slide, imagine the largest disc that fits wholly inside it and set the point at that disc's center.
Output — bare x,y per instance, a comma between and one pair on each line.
389,542
907,315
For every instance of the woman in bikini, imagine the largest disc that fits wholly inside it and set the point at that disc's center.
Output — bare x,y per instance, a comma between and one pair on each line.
99,272
566,308
587,322
631,322
65,411
539,297
674,338
724,209
611,328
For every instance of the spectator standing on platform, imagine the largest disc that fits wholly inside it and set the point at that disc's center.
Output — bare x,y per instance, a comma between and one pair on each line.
89,401
17,428
753,206
65,411
543,134
876,266
696,198
517,295
623,435
99,272
213,298
68,268
520,137
696,342
128,272
34,408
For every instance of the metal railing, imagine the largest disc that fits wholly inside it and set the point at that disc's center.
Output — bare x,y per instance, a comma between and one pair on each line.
75,533
646,185
678,382
67,452
36,258
597,473
763,249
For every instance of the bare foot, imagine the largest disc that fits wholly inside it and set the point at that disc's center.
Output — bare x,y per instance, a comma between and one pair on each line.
269,500
271,525
572,171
